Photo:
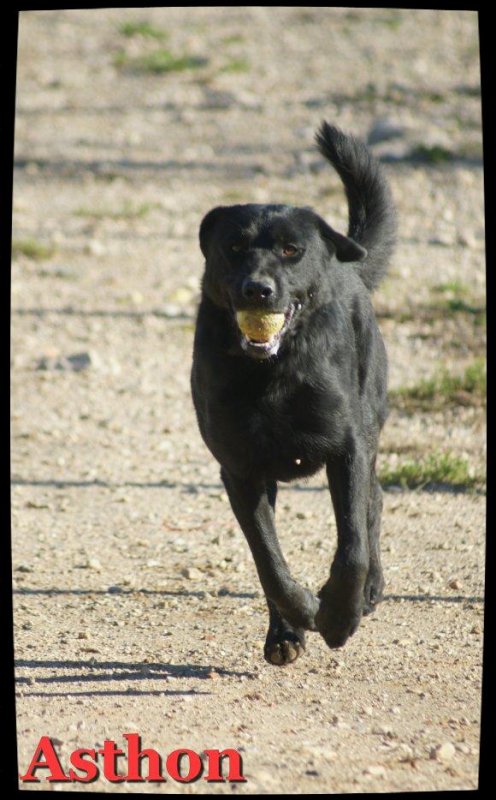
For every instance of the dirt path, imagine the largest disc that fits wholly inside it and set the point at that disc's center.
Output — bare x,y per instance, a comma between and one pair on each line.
137,606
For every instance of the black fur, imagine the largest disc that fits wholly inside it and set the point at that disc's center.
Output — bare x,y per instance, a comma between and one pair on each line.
314,396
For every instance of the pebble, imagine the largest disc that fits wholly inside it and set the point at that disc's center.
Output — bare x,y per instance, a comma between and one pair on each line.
405,751
383,130
214,99
455,584
323,752
383,730
375,770
443,752
466,239
96,248
172,310
191,573
73,363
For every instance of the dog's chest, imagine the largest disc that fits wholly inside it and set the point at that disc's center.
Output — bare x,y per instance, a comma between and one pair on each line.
283,429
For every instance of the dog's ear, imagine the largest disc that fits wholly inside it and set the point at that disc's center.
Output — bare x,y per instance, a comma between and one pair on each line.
343,247
207,225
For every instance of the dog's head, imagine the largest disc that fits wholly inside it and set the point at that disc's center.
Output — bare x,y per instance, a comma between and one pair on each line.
265,264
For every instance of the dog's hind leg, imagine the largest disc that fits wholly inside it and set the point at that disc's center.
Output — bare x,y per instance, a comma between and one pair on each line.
252,504
374,584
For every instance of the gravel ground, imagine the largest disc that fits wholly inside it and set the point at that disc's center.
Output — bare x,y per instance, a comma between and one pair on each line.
137,606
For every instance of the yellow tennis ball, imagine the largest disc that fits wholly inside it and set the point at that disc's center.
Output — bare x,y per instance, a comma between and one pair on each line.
259,325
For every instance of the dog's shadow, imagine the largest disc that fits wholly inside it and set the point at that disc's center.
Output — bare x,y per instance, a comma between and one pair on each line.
92,671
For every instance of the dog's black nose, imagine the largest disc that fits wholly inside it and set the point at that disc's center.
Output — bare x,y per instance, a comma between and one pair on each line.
260,291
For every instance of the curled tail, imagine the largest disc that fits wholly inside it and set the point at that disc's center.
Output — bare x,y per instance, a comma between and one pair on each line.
372,214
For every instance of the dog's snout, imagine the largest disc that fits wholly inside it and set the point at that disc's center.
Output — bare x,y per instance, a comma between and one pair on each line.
258,291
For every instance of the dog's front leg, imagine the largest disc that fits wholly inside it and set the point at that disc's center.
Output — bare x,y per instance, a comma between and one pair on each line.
342,597
252,507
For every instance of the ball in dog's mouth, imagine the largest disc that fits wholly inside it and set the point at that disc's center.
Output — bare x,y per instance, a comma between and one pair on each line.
262,330
259,325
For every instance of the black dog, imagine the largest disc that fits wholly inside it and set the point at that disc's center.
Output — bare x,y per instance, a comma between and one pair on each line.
280,406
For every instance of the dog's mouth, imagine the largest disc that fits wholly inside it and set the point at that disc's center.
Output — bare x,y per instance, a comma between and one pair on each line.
262,331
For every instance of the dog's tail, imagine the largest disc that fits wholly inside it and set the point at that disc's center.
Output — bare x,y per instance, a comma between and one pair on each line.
372,214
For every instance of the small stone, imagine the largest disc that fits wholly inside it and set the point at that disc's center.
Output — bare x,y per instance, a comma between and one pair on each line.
214,98
171,310
191,573
466,239
443,752
455,584
383,130
375,770
96,248
323,752
73,363
405,751
79,361
383,730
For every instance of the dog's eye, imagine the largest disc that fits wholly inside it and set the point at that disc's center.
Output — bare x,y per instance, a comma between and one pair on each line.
289,250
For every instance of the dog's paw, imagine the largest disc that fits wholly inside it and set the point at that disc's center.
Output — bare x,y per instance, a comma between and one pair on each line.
284,647
339,614
336,630
373,592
